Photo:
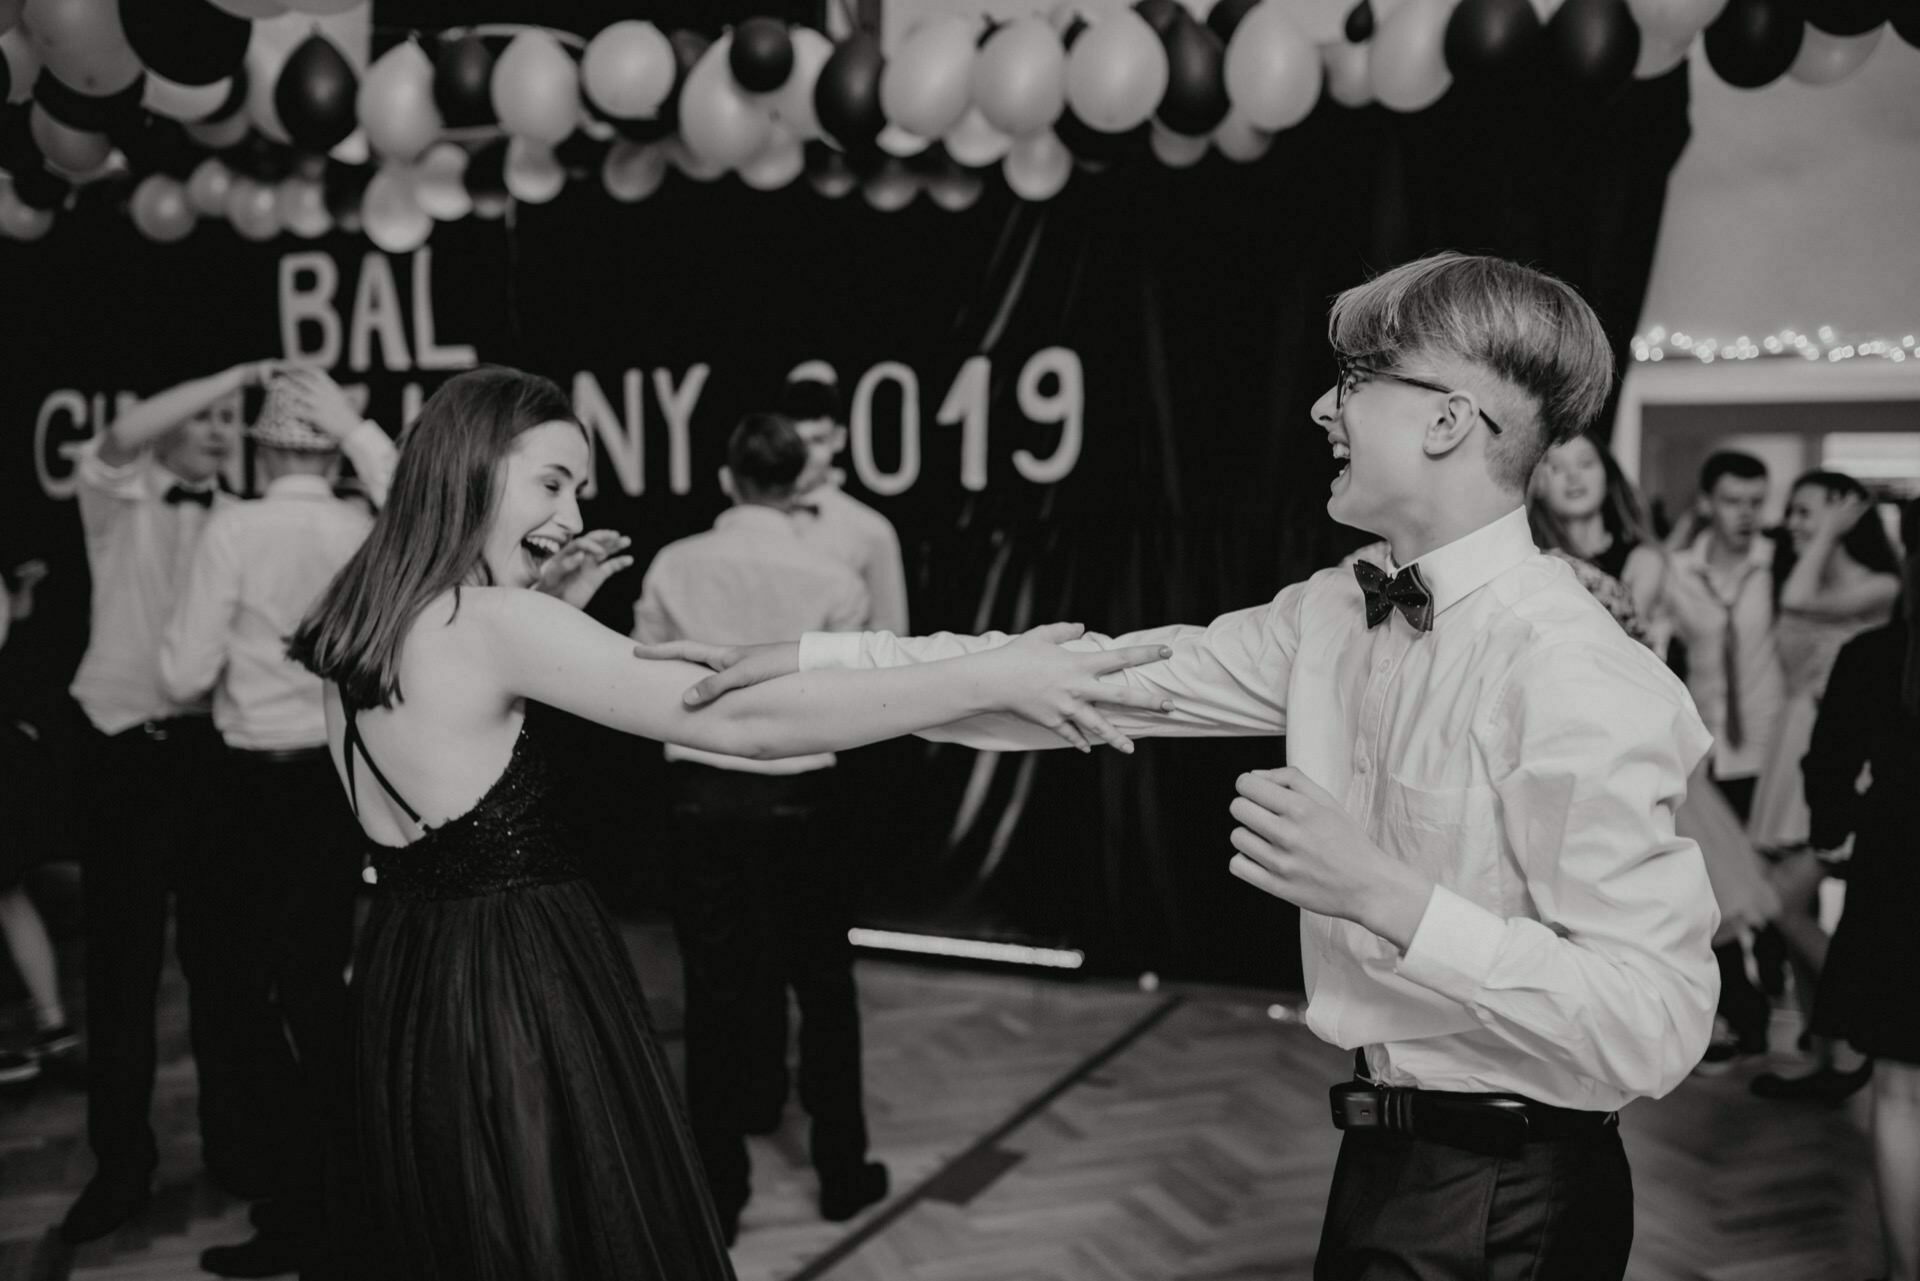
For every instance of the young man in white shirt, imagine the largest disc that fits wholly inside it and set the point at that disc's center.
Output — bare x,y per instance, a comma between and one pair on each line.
1477,822
761,896
289,864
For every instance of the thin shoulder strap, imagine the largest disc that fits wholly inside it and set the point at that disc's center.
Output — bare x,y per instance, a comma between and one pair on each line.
355,743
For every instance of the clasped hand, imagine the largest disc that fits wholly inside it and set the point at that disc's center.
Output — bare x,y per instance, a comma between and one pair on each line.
1031,677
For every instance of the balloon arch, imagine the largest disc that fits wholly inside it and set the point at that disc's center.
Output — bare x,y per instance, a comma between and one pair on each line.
175,109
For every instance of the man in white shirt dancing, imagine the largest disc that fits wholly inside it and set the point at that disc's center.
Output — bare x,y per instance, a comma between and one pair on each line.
289,867
1477,821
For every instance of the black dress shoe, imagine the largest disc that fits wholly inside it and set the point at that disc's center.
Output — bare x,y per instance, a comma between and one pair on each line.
109,1200
843,1197
1823,1085
266,1255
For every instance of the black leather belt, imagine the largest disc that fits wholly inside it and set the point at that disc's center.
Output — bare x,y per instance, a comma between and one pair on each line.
1494,1124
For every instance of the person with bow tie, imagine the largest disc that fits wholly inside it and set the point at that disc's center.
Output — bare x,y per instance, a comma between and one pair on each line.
1477,816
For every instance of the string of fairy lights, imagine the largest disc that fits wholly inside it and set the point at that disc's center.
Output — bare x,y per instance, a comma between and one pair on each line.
1823,344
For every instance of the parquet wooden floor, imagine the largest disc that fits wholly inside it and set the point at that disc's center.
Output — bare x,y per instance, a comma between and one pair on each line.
1040,1130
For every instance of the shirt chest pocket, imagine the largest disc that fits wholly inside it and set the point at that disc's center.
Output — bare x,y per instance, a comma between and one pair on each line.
1450,833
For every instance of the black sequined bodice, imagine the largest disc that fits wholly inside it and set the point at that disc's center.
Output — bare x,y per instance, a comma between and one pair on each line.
511,838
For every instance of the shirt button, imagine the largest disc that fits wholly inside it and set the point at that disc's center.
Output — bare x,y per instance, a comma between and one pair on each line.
370,876
1385,663
1362,765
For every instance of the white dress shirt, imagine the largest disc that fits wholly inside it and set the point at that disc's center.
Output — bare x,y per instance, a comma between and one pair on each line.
863,540
1526,754
749,579
1701,600
260,567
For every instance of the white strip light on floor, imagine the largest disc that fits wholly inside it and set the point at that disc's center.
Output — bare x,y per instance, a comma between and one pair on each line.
968,949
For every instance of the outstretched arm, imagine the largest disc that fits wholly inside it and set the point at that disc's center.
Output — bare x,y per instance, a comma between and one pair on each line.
541,649
143,423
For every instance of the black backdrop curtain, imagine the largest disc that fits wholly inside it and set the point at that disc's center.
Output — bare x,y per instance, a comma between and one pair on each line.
1195,301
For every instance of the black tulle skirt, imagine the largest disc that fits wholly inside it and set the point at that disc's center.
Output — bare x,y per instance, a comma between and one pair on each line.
515,1116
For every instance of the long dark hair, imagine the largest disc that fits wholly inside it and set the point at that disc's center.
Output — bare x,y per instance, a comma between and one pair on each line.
431,536
1621,513
1866,542
1910,606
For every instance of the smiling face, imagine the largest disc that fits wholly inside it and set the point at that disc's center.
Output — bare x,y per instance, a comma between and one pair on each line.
1804,510
1376,430
1573,480
198,448
537,510
824,439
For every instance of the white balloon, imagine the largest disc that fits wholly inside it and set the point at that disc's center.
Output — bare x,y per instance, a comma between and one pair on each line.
302,206
690,162
391,215
1409,67
718,120
927,84
207,188
975,143
1658,57
395,105
792,102
634,170
1240,140
352,149
1349,74
892,188
1116,72
955,191
185,103
263,72
1826,59
782,160
253,209
440,183
252,8
1176,150
19,220
629,70
900,143
1673,21
1273,71
534,173
1038,166
536,89
218,135
23,65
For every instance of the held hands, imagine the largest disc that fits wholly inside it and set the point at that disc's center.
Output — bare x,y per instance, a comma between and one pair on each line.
577,571
1059,689
1297,843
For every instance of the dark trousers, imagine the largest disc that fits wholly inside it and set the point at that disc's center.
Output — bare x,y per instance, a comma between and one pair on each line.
1403,1209
761,905
293,867
154,828
1744,1006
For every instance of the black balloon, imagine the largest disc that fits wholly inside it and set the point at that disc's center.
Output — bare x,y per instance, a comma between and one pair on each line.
1493,41
1225,17
6,80
847,95
1161,15
762,55
1196,96
1595,43
190,42
38,188
1844,17
84,111
463,82
1360,24
155,144
1753,42
315,94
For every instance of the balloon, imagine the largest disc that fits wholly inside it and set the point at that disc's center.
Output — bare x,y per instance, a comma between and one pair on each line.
323,6
302,206
1349,73
1038,167
974,142
534,174
1162,15
316,94
1273,73
1240,140
22,221
22,63
251,9
847,98
1905,17
828,172
1753,42
1658,57
1225,17
1177,150
718,122
392,216
78,151
156,144
779,162
1117,73
899,143
1408,63
463,82
792,103
160,209
207,188
1595,43
927,86
185,103
891,188
634,170
440,183
1674,21
691,163
955,189
762,55
536,90
263,75
1359,26
253,209
1826,59
1494,40
190,42
217,134
77,110
1196,97
83,43
396,106
628,70
1844,17
1020,77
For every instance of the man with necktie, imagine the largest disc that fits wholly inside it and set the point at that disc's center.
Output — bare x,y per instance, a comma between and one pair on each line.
1477,817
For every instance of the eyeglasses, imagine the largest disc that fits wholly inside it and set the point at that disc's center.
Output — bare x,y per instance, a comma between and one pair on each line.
1352,373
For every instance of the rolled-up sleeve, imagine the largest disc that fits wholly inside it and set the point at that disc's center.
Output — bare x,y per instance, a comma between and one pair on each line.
1590,752
1227,678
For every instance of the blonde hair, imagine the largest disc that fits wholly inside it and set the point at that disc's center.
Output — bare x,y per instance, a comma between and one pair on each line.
1529,330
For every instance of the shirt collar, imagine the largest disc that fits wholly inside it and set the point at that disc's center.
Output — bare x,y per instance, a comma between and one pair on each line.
1466,564
299,485
1759,552
755,516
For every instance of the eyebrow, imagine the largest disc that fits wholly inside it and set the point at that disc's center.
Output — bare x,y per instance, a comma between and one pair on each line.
562,468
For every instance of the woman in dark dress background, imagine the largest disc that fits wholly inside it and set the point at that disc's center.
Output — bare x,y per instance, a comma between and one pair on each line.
1869,991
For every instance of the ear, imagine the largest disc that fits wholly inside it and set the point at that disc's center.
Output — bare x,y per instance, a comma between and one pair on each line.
726,484
1450,425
